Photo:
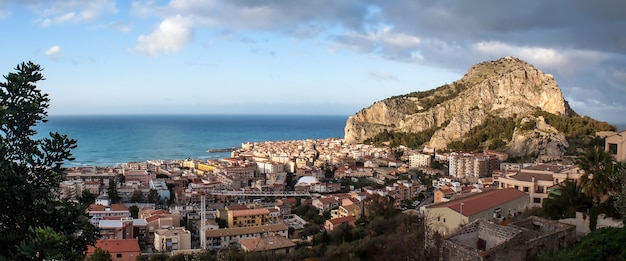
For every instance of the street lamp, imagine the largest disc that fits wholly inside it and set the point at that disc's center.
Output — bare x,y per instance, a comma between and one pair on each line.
461,220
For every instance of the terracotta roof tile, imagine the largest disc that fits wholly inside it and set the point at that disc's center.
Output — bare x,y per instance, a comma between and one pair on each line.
341,220
116,245
266,243
476,203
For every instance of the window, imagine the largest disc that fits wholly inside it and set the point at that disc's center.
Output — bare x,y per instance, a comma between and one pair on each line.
526,189
118,255
612,148
537,200
481,244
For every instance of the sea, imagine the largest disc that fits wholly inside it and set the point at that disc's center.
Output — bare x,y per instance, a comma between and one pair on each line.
113,140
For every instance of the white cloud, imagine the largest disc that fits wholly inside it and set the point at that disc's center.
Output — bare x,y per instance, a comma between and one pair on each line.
120,26
566,61
383,36
172,34
383,76
76,11
54,52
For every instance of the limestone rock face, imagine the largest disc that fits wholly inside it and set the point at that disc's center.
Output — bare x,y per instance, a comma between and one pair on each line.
542,140
508,87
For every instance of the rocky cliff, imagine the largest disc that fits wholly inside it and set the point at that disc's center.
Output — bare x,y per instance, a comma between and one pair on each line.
506,88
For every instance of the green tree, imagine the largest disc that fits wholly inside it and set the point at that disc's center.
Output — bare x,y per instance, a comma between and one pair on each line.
86,198
597,181
114,197
100,255
383,206
153,196
33,224
134,211
564,201
137,196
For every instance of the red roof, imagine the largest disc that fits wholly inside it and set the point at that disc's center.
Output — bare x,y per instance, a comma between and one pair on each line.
341,220
118,207
328,200
476,203
115,245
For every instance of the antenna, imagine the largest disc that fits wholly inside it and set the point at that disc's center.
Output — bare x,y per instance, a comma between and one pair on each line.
202,220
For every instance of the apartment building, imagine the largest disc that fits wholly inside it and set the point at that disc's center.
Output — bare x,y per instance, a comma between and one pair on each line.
71,189
472,166
119,228
536,180
170,239
161,188
420,160
219,238
98,212
248,217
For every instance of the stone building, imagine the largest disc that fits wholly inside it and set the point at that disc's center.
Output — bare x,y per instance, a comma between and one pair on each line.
615,145
481,240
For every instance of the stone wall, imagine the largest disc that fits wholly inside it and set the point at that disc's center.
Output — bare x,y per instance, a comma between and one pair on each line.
518,241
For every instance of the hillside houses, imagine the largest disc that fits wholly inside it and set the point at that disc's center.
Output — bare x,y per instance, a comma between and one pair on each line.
537,180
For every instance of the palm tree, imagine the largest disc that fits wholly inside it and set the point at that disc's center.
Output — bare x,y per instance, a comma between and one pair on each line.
598,181
565,200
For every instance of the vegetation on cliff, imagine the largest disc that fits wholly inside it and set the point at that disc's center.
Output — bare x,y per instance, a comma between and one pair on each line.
602,244
495,132
430,98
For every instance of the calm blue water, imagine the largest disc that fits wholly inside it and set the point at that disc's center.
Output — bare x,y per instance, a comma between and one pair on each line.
111,140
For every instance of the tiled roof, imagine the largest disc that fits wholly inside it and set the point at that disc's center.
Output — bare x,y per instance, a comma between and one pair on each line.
528,177
246,230
249,212
341,220
116,245
327,200
476,203
118,207
236,207
96,207
266,243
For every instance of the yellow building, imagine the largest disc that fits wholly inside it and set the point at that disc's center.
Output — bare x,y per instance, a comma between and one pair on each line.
175,238
349,210
248,217
492,205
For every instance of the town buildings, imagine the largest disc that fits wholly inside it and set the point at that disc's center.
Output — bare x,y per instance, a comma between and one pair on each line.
98,212
248,217
172,238
538,179
334,223
219,238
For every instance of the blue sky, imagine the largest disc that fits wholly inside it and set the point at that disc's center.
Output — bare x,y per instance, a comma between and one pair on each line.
303,57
